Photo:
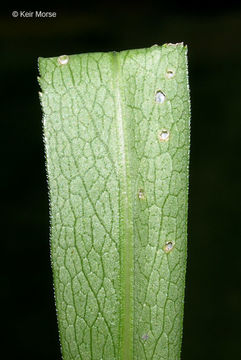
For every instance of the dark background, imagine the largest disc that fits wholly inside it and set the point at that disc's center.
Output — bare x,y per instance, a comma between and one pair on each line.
213,34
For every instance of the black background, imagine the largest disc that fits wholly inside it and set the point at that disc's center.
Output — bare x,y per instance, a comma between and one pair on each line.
212,32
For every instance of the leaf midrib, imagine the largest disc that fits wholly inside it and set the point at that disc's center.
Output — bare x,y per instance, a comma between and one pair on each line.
126,223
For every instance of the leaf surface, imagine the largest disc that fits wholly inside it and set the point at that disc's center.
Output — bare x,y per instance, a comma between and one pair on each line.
116,132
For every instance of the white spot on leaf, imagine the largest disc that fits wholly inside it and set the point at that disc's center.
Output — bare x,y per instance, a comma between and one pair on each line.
63,59
145,337
168,246
169,74
160,97
141,194
163,135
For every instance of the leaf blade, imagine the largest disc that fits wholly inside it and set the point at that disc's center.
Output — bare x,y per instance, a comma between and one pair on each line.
101,128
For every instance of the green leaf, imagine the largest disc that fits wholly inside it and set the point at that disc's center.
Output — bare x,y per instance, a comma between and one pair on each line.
116,132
